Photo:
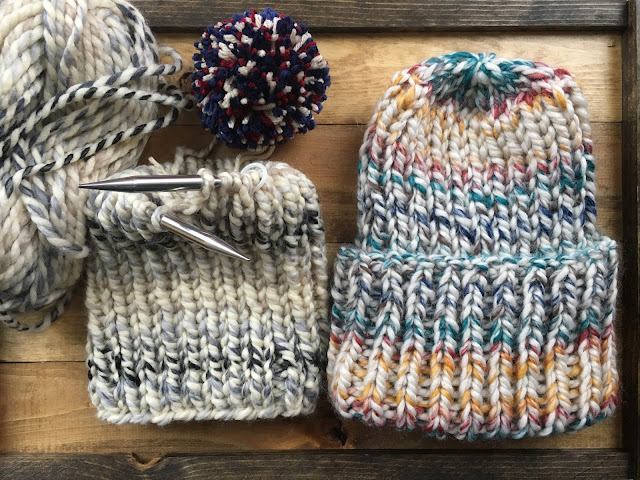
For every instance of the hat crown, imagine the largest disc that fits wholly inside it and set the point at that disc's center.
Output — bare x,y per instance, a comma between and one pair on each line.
471,153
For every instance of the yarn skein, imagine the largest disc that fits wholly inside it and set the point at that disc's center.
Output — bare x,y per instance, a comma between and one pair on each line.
80,86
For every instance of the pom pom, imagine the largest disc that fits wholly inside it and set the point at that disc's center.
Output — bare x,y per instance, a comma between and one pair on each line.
258,79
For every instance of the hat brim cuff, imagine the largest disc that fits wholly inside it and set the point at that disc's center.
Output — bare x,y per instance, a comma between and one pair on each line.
478,347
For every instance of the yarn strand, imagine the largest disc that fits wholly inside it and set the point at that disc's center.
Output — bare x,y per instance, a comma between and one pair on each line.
80,88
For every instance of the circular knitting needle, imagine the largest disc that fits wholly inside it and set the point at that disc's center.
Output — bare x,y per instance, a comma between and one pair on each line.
171,183
204,239
150,183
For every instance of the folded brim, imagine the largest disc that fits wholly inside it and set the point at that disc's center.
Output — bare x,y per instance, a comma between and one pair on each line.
485,346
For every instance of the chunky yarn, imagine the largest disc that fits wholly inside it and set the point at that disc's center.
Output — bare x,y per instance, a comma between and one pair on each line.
79,90
258,79
177,332
479,298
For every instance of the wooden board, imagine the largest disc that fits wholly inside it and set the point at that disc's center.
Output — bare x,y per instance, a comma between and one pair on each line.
630,210
44,404
45,407
580,464
355,15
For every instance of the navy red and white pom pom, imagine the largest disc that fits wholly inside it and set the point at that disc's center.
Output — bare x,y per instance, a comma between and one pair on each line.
258,79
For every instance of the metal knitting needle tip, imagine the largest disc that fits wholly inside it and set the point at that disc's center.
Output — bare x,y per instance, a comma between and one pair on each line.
204,239
150,183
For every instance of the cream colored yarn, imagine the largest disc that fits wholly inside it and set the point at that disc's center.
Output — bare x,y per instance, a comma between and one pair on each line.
79,89
177,332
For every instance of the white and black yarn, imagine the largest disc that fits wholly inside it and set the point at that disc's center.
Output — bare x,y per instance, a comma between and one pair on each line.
80,86
177,332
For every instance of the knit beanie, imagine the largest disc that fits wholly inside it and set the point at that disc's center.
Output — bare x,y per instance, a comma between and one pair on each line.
478,299
177,332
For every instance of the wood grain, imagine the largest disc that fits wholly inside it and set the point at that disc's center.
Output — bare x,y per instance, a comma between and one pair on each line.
370,16
532,465
46,408
630,212
358,80
328,156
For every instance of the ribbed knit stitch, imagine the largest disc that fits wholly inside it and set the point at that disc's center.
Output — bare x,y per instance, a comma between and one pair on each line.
479,298
177,332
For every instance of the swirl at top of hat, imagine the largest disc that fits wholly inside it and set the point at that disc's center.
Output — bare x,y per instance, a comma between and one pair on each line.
484,80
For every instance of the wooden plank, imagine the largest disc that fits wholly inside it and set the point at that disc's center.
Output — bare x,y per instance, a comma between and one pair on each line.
46,408
606,434
329,156
358,80
630,287
538,464
371,16
65,340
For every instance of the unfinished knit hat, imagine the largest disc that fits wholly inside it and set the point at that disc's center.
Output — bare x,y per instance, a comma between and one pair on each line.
177,332
478,299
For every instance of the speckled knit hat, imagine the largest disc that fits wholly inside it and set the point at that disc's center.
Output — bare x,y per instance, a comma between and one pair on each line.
478,299
177,332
